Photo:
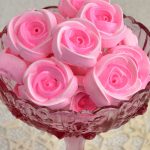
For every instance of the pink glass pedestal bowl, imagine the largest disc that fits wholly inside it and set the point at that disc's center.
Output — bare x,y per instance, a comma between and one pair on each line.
76,127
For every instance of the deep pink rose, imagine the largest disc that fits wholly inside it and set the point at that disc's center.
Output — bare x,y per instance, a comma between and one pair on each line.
12,67
117,76
69,8
107,18
29,35
77,42
79,71
130,39
48,82
82,101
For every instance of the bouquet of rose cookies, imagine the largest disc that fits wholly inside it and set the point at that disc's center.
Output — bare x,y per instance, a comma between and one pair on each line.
78,57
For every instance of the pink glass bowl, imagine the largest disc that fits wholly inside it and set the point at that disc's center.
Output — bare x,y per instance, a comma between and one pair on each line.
85,124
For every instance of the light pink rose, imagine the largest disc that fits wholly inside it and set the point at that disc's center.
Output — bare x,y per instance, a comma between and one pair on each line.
140,58
59,17
29,35
77,42
12,67
82,101
130,39
118,76
69,8
108,19
48,82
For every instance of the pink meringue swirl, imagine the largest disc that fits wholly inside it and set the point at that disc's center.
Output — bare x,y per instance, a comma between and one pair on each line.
70,8
29,35
107,18
82,101
48,82
77,42
118,75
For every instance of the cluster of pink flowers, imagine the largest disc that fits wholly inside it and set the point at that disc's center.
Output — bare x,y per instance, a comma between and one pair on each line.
79,57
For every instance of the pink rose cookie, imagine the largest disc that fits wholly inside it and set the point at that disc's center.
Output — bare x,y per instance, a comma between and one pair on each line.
107,18
117,76
82,101
140,58
69,8
29,35
12,67
59,17
77,42
48,82
130,39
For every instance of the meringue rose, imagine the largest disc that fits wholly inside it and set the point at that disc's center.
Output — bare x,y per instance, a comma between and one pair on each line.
12,67
69,8
59,17
79,71
81,101
130,39
139,57
48,82
107,18
117,76
29,35
77,42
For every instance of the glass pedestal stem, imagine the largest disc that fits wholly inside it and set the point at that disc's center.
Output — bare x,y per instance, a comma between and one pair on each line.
75,143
